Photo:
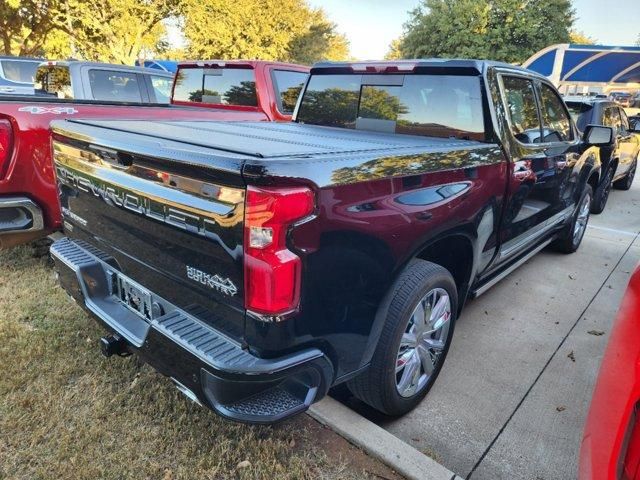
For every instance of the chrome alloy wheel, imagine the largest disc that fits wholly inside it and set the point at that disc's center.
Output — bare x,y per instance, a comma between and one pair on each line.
423,342
582,219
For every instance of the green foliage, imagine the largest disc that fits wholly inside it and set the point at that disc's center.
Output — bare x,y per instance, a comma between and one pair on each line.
25,25
320,41
507,30
103,30
119,31
287,30
395,50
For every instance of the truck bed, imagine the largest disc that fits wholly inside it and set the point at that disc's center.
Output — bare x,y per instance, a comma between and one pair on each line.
260,140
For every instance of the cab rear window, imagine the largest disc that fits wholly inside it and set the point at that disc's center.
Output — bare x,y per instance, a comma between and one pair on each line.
222,86
581,114
54,81
424,105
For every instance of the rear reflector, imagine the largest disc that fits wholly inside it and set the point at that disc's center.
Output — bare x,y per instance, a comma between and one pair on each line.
6,146
271,271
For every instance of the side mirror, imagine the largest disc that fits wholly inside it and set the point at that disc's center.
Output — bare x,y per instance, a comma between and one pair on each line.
599,135
634,124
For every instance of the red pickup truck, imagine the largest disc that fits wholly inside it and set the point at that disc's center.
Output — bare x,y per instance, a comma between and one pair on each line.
231,91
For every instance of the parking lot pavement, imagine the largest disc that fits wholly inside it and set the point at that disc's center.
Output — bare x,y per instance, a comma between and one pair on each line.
511,399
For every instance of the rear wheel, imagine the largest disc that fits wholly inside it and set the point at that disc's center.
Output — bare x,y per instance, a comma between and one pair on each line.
625,182
601,195
572,235
414,341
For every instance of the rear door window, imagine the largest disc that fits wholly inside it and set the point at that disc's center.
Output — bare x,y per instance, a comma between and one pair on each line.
416,104
20,71
222,86
288,86
522,109
114,86
555,120
53,81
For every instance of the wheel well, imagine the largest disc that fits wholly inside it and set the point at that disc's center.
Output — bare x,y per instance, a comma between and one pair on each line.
455,253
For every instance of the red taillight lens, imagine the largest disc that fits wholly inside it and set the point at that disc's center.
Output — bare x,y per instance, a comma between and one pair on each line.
271,271
6,146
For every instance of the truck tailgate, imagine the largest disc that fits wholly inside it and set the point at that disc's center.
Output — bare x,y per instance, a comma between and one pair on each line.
173,223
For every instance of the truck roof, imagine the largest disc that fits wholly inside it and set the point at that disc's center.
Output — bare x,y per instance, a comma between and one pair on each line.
245,63
82,63
388,66
31,59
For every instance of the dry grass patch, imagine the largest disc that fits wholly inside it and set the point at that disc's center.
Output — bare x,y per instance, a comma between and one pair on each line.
68,413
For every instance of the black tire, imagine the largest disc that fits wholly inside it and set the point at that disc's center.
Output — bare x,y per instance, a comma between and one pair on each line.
601,195
568,242
377,386
625,182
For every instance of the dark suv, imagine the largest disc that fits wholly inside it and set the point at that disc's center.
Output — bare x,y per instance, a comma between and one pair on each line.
619,162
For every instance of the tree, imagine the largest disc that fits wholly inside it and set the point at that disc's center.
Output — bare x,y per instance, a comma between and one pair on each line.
287,30
507,30
115,31
395,49
580,38
25,25
320,41
119,31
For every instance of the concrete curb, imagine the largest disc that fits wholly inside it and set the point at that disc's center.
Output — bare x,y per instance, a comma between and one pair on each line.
378,443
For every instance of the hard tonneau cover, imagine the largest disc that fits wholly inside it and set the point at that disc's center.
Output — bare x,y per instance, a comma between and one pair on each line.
254,139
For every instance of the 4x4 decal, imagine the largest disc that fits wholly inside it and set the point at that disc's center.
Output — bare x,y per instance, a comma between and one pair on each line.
38,110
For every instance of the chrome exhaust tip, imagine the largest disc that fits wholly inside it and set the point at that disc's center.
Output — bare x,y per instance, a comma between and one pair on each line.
186,392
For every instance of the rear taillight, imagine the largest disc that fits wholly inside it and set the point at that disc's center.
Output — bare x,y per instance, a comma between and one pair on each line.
271,271
6,146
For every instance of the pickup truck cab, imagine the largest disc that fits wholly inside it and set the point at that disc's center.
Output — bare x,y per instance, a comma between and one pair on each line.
259,264
620,162
76,80
272,88
29,208
17,75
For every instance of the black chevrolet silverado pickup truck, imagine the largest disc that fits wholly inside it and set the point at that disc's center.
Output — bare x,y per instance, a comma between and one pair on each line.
258,265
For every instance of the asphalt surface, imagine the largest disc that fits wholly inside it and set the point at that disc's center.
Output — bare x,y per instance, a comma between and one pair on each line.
513,394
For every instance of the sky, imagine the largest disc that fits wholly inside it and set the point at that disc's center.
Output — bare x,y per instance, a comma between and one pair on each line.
370,25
